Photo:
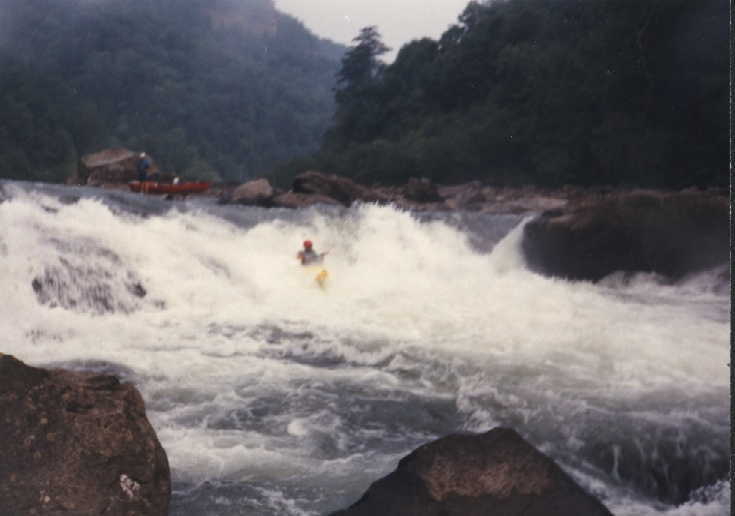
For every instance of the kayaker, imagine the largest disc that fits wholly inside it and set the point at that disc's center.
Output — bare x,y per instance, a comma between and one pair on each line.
143,165
308,256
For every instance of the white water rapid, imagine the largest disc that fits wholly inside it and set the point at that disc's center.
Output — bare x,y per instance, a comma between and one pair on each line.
274,397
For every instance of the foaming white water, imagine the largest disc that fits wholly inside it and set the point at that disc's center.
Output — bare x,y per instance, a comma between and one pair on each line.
389,276
252,373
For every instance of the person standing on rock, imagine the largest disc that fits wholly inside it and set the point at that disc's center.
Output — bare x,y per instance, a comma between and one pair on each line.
308,256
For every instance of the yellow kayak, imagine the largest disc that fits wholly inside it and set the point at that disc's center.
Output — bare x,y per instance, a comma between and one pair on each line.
320,275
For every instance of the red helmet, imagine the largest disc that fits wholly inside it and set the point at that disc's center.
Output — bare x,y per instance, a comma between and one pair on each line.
307,244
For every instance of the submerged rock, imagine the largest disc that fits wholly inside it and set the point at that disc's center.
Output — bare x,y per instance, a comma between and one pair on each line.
671,234
77,443
88,278
495,473
669,464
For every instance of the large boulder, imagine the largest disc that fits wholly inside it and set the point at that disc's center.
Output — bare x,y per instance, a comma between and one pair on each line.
258,192
671,234
77,443
495,473
111,166
342,189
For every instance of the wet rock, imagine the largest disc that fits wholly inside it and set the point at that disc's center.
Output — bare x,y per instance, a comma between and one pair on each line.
666,464
137,289
467,196
258,192
88,277
69,199
522,200
723,280
671,234
77,443
89,289
496,473
421,190
447,191
341,189
300,200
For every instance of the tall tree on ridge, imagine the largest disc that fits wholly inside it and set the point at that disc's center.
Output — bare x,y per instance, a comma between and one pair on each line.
360,63
359,73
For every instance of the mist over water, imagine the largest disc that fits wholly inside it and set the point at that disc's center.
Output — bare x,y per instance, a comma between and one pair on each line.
272,396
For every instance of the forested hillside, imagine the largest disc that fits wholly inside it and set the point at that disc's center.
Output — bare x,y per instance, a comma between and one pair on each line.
545,92
212,88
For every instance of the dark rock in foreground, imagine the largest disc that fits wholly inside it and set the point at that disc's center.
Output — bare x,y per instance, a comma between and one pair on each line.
496,473
77,443
672,234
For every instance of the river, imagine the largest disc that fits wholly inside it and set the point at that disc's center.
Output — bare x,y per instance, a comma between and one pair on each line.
272,396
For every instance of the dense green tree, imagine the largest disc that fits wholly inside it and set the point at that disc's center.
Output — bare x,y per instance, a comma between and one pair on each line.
219,88
357,113
360,64
543,91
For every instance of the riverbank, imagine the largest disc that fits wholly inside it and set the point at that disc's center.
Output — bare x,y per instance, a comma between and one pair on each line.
312,188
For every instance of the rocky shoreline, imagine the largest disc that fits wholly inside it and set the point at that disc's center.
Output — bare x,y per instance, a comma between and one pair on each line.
312,188
114,168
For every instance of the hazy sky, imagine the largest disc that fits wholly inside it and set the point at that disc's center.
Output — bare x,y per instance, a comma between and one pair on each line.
398,21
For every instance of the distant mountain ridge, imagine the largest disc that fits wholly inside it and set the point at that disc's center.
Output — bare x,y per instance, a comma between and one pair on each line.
218,89
256,17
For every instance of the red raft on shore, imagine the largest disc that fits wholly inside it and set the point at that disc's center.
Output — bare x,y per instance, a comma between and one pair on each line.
153,187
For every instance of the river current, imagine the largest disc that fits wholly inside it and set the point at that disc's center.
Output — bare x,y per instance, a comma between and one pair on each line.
272,396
